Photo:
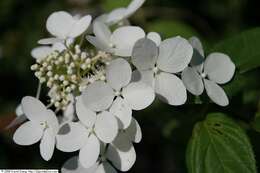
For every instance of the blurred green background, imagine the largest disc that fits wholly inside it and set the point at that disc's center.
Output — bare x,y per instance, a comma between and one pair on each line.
166,129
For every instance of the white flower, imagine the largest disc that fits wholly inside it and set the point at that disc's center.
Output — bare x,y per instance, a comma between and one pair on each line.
120,153
120,42
120,14
87,134
157,66
127,95
216,69
42,126
63,26
41,52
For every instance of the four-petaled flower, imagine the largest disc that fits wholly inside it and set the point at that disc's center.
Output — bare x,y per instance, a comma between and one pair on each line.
42,126
216,69
120,153
63,27
157,67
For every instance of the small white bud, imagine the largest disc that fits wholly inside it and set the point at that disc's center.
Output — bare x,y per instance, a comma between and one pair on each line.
72,65
45,64
83,55
75,57
61,59
56,77
83,66
42,80
88,61
62,77
49,84
49,67
57,104
65,83
68,89
73,87
38,74
34,67
102,78
74,77
69,71
49,73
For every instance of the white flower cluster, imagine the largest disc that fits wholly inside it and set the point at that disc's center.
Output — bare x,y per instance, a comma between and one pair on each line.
94,92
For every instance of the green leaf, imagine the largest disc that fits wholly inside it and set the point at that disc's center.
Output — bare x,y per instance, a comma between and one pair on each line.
171,28
219,145
243,49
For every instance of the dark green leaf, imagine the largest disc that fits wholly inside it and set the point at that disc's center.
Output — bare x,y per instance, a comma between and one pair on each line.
219,145
243,49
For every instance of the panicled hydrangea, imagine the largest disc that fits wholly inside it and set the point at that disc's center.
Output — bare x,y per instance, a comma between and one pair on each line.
94,90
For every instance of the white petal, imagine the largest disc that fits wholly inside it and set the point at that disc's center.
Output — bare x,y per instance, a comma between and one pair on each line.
102,33
58,47
34,109
134,132
105,167
138,95
216,93
133,7
47,41
122,111
72,137
68,114
196,44
28,133
19,110
47,144
155,37
102,18
98,44
198,54
170,89
41,52
192,81
98,96
73,166
106,127
52,120
85,115
219,68
124,39
174,55
116,16
59,24
118,73
121,153
145,54
80,26
145,76
88,155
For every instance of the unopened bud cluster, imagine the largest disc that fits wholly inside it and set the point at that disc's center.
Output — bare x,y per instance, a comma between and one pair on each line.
69,72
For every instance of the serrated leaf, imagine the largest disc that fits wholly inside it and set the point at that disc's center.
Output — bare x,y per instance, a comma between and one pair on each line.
219,145
243,49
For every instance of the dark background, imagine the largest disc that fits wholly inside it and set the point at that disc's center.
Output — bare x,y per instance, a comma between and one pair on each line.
166,129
